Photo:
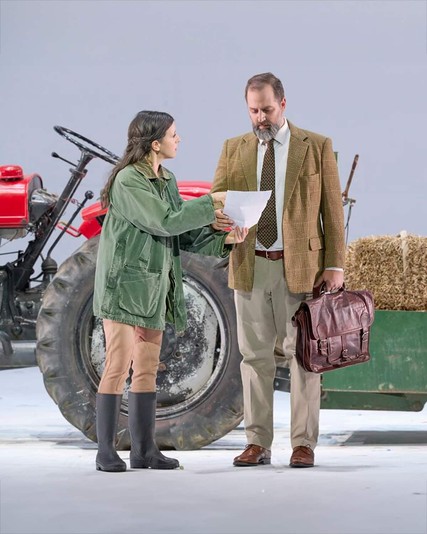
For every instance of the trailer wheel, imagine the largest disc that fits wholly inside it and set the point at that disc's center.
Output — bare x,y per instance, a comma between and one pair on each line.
199,387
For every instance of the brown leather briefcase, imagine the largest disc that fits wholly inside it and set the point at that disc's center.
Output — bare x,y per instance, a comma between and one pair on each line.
333,330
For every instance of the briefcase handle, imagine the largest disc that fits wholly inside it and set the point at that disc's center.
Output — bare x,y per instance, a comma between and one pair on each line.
320,290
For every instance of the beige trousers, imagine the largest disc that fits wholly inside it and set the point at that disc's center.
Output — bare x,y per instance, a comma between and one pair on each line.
264,317
130,347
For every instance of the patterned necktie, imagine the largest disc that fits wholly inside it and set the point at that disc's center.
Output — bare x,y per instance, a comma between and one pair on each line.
267,225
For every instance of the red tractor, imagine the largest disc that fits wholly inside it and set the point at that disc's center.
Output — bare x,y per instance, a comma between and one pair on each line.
46,314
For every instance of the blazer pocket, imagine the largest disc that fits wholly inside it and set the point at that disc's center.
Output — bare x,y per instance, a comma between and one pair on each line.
139,292
311,181
316,243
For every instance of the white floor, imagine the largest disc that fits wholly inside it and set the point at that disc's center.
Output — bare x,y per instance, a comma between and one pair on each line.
48,483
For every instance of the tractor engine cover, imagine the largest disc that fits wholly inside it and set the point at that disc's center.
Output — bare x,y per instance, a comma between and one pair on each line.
15,194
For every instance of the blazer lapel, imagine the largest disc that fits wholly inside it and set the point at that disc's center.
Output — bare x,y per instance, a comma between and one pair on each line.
297,151
248,156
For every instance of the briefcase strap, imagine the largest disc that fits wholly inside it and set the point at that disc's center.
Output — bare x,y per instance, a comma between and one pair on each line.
365,340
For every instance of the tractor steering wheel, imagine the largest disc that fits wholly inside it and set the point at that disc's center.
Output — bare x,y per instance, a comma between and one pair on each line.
88,146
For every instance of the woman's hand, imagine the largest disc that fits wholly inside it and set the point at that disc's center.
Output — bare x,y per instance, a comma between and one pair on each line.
238,235
222,222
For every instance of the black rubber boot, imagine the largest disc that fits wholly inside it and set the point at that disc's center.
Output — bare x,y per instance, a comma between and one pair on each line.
107,417
144,452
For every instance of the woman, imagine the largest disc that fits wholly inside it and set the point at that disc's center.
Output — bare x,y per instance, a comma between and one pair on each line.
138,281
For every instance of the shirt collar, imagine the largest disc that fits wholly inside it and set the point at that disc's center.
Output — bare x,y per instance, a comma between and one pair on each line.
282,134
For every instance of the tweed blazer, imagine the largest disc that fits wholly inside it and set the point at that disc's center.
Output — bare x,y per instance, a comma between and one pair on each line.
313,217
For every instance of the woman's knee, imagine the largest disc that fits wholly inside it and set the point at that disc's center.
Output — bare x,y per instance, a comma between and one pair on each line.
113,383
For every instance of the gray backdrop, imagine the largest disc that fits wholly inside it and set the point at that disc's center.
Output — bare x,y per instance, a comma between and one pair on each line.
355,71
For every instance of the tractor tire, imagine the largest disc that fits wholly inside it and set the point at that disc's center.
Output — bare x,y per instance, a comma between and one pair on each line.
199,390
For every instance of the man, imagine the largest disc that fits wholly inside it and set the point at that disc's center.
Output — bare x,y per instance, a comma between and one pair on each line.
298,243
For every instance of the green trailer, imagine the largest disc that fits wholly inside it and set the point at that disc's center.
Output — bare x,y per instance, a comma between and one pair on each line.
396,376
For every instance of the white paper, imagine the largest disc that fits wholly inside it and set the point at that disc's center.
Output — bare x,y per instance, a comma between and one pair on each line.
245,207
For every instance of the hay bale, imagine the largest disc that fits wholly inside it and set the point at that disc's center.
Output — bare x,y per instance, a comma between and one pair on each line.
393,268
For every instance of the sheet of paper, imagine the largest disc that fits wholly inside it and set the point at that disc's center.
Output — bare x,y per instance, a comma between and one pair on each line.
245,207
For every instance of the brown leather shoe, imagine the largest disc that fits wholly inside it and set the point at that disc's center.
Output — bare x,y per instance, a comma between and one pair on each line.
253,455
302,457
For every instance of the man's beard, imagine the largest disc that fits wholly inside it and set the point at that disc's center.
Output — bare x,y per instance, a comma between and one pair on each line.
266,134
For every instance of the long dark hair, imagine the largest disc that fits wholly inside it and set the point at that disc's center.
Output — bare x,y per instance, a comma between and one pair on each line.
146,127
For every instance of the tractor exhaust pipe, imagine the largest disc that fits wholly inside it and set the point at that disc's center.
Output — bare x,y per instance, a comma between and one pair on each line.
15,354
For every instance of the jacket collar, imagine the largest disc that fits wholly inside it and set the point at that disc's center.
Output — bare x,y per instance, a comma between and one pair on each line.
297,151
147,170
248,157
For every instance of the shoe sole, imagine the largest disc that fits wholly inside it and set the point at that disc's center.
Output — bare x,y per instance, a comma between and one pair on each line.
301,465
266,461
145,466
135,464
118,469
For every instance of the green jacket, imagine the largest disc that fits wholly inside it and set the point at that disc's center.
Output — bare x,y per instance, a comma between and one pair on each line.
138,278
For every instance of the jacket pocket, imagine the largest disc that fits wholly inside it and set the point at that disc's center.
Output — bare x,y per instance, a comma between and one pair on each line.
139,292
116,264
316,243
144,254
